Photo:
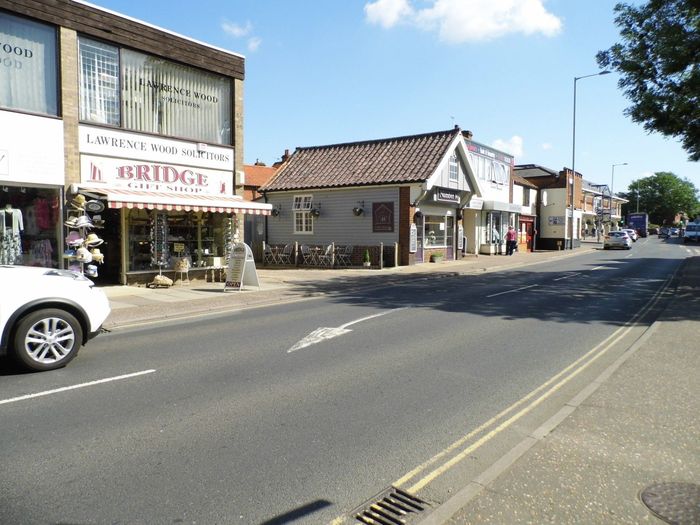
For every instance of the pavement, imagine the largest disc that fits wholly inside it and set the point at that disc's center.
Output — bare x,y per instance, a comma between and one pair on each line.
625,450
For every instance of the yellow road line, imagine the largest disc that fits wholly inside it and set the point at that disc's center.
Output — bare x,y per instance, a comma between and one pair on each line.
601,348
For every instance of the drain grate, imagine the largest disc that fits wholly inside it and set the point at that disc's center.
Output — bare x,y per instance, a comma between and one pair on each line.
391,507
677,503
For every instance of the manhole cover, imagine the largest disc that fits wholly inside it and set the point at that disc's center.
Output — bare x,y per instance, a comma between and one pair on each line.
676,503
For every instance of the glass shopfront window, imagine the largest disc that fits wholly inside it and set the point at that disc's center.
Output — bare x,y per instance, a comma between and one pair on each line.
161,238
28,70
30,226
494,228
435,231
159,96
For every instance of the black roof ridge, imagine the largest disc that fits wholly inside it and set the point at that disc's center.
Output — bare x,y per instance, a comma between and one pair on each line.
454,130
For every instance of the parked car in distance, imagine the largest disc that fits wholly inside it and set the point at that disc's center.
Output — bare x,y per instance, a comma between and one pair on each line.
46,315
673,231
692,232
664,231
617,239
632,233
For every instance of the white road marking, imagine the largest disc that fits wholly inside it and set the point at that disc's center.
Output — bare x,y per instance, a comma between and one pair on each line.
81,385
573,274
513,290
325,333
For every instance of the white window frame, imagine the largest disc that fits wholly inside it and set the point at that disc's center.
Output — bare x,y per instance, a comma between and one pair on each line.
303,220
453,168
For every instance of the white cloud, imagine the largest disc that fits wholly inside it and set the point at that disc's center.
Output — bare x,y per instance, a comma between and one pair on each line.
458,21
546,146
235,30
254,44
387,13
514,145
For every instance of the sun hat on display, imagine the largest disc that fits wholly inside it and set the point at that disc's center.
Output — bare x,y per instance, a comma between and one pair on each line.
78,202
83,222
91,270
69,254
97,221
97,256
71,222
93,240
74,239
83,255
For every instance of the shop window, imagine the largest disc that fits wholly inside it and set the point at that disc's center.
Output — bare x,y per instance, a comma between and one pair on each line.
454,168
435,231
494,233
99,82
161,238
526,196
30,226
303,220
28,70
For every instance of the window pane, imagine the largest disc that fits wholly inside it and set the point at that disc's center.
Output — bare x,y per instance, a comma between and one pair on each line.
28,72
99,82
159,96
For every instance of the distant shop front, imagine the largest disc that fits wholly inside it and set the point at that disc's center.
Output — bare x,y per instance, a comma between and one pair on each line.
169,204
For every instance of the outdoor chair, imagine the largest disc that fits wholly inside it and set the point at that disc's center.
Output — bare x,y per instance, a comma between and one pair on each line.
326,258
343,256
269,256
285,256
306,254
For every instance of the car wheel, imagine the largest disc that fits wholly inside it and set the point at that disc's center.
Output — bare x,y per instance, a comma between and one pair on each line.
47,339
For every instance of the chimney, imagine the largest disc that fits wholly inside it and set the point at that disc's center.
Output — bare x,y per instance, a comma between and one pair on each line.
468,134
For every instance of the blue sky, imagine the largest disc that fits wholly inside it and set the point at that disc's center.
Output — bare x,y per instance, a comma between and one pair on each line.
330,71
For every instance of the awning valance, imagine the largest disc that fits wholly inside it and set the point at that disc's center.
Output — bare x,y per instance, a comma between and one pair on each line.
159,200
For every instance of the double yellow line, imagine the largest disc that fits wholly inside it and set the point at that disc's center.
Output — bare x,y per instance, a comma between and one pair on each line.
455,453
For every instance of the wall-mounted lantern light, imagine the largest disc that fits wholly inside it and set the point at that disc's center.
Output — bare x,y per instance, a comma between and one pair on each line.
316,212
276,210
359,209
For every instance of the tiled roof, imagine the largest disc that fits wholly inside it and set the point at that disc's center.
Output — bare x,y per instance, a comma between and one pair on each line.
386,161
257,175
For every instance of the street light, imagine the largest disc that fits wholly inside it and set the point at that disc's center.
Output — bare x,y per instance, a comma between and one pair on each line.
573,152
612,186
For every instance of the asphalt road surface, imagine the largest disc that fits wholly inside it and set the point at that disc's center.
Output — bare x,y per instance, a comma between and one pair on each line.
303,411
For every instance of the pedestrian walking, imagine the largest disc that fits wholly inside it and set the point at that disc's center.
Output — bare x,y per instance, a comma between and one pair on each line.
511,240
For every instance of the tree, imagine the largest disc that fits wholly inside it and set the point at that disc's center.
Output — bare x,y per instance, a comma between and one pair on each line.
662,196
659,61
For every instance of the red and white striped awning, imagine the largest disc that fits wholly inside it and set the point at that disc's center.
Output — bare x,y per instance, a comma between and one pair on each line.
158,200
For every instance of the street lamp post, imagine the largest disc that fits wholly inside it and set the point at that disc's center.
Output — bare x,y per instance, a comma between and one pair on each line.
612,186
573,154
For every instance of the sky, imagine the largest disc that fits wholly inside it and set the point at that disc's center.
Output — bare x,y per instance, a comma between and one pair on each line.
333,71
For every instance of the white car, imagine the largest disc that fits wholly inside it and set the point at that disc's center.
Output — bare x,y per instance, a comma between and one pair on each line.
617,239
632,233
46,315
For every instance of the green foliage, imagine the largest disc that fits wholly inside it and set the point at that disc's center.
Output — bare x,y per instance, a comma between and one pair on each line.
662,196
659,60
365,257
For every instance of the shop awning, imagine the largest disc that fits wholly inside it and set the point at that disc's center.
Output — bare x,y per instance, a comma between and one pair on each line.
154,200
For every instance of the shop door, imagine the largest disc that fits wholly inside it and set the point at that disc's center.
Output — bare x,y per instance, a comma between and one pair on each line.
450,240
109,272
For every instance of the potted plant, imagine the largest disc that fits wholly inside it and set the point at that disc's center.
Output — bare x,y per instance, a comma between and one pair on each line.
366,260
436,257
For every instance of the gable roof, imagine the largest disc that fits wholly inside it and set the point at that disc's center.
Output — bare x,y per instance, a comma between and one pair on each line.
256,175
408,159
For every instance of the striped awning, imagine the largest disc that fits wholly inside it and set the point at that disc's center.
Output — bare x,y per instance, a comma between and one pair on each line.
154,200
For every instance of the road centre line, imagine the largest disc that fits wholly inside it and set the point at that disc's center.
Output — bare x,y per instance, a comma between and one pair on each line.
513,290
596,352
74,387
574,274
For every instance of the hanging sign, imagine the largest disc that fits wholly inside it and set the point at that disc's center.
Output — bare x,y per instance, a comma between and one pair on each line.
241,268
460,237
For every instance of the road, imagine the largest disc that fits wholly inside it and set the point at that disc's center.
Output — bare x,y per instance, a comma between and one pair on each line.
306,410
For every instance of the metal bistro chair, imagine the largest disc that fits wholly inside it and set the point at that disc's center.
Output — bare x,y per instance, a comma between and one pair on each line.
343,257
306,254
326,258
285,256
269,256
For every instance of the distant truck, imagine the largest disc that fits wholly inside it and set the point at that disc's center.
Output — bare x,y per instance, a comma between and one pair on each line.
640,222
692,232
